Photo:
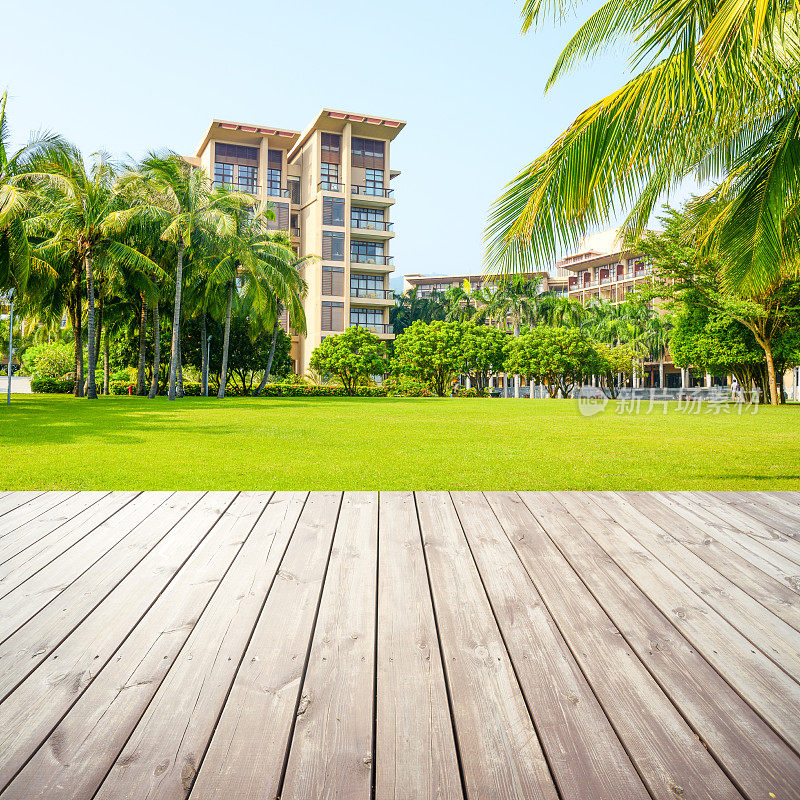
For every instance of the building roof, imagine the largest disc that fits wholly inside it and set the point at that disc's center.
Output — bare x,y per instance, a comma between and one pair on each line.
332,119
244,131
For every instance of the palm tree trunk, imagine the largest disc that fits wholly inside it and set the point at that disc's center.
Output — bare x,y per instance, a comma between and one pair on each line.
176,323
106,362
267,371
77,329
141,381
91,389
156,352
516,376
203,356
661,373
99,332
179,388
225,342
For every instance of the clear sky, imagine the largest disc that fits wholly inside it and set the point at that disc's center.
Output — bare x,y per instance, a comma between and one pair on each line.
128,77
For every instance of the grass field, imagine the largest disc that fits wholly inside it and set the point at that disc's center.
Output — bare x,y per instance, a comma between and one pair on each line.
57,442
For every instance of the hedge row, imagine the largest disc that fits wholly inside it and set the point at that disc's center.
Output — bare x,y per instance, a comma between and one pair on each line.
52,386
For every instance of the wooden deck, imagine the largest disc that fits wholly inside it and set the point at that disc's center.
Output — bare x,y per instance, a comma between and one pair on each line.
429,646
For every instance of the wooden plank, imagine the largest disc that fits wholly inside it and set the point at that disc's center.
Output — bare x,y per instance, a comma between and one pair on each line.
585,755
757,759
46,608
766,686
10,501
37,529
18,568
415,753
782,502
500,752
770,592
247,752
665,750
774,637
767,560
754,528
331,749
73,760
41,700
29,511
774,514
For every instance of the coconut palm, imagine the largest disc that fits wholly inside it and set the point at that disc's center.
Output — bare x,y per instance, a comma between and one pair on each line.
716,95
170,193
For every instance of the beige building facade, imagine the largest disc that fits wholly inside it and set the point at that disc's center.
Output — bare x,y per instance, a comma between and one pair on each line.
330,189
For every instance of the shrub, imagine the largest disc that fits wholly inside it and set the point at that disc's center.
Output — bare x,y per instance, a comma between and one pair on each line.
405,386
52,360
52,386
306,390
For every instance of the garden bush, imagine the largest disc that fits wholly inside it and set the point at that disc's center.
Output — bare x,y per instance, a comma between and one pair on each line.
52,360
405,386
52,385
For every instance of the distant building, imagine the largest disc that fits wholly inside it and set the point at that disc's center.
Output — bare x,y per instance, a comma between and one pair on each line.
426,285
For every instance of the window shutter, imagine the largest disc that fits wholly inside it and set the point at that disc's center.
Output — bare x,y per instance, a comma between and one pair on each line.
327,317
337,321
275,158
327,246
327,281
337,282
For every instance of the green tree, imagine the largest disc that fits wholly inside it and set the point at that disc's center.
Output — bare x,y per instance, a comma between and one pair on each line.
431,353
352,356
482,350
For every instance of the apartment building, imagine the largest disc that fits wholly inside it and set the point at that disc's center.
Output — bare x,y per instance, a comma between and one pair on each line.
603,269
329,186
426,285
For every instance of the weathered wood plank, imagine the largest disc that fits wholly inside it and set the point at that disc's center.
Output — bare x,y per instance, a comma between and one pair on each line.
41,700
331,749
757,759
766,686
582,748
45,609
247,752
775,638
500,752
760,585
415,753
773,513
19,567
75,757
668,755
770,562
10,501
22,515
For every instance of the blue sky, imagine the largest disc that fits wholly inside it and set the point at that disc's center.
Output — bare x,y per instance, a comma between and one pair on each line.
132,76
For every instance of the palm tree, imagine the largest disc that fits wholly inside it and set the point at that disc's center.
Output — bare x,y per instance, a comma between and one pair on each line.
716,95
178,198
81,204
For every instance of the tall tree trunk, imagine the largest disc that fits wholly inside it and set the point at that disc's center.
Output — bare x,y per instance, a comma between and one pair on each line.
203,357
179,387
99,333
225,343
176,323
141,380
772,382
661,373
106,362
91,389
271,356
156,352
516,376
77,329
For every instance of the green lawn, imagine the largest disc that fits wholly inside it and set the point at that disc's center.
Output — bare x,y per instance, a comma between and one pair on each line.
56,442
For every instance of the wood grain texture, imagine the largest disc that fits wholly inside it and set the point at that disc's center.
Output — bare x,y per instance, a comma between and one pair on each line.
501,755
331,749
415,753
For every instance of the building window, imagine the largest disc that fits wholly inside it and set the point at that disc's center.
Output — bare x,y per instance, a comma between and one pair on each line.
330,177
366,285
333,211
366,252
236,152
294,189
281,221
248,179
274,182
331,148
332,316
223,174
366,316
368,153
373,182
332,246
333,281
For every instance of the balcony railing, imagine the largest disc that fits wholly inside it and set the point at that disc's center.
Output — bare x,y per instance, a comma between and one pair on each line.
276,191
372,294
296,232
364,258
329,186
247,188
371,225
372,191
375,327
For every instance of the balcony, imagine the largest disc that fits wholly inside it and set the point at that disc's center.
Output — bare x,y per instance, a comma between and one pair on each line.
246,188
330,186
372,195
365,258
374,298
381,328
276,191
372,229
296,233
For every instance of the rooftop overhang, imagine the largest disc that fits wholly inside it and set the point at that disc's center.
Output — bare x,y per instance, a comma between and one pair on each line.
243,133
366,125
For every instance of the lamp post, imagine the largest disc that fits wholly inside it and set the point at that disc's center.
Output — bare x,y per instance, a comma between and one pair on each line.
208,356
10,296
